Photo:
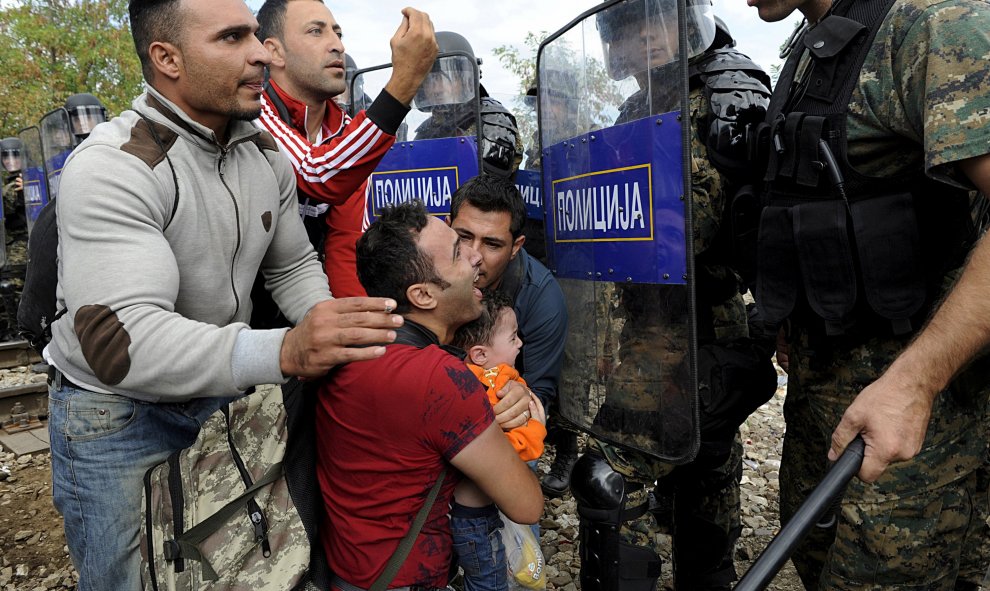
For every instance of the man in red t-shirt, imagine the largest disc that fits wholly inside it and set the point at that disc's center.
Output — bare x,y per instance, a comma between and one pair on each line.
332,154
387,428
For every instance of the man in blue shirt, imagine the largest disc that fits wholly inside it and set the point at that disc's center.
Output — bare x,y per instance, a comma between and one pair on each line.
488,213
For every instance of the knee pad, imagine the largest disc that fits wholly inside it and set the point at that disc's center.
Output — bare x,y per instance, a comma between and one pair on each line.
607,562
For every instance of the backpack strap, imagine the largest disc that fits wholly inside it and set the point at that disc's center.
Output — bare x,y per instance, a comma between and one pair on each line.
512,278
187,544
175,178
406,544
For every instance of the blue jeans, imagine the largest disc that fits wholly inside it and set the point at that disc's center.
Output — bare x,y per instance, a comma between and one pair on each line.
102,445
478,545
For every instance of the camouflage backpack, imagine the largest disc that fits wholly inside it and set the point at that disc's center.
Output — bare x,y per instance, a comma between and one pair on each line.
235,509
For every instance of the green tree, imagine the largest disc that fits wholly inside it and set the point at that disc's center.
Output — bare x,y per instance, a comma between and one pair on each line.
599,94
51,49
522,62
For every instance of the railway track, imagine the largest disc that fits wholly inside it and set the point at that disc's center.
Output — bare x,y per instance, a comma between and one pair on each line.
32,396
16,353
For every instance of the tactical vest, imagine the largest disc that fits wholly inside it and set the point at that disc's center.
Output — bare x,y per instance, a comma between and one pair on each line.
864,251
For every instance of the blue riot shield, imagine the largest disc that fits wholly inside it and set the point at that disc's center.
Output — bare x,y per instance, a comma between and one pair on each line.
616,187
57,143
35,176
437,149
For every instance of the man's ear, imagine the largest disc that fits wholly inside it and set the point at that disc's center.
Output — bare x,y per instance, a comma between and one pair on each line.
516,245
478,355
421,296
166,59
274,46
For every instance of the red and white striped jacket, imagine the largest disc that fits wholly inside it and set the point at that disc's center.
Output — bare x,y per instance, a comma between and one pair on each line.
331,175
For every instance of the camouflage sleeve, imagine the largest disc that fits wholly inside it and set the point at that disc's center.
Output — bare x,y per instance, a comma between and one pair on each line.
943,58
707,189
9,194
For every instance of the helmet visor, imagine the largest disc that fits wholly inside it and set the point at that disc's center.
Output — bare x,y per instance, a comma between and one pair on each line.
84,118
12,161
639,35
451,81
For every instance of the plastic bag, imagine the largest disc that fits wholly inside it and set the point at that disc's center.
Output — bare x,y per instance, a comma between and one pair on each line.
523,556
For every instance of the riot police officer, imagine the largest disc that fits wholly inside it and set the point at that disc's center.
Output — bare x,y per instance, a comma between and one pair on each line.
13,234
61,130
560,88
452,97
612,481
65,128
85,112
352,104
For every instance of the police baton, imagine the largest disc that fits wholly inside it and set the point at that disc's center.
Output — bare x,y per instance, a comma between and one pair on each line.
818,502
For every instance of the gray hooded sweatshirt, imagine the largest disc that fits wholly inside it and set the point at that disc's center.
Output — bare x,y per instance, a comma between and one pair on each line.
157,292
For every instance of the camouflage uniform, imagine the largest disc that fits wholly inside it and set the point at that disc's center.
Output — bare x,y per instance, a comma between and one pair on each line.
920,101
706,517
15,225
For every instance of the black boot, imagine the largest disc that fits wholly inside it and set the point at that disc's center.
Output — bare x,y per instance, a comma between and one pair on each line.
555,483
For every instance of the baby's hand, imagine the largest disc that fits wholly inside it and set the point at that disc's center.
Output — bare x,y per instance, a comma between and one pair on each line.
536,409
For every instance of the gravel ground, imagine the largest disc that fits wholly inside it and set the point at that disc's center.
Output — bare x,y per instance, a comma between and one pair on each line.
763,435
33,555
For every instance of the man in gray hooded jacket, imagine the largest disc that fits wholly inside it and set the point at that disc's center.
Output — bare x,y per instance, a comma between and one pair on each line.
167,214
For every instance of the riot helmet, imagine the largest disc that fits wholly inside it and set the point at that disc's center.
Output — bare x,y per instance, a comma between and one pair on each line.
10,153
349,66
499,135
85,112
345,99
638,35
56,133
560,100
560,92
451,79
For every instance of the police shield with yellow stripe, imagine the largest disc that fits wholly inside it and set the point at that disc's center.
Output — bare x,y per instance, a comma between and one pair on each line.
452,132
619,239
612,91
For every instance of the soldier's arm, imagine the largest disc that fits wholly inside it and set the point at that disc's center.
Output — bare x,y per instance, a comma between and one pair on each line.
893,412
932,70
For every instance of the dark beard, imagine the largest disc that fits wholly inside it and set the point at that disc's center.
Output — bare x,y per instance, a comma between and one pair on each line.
246,115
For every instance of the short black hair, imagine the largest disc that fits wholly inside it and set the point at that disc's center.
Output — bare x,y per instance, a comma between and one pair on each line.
389,259
271,19
491,193
481,330
153,20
